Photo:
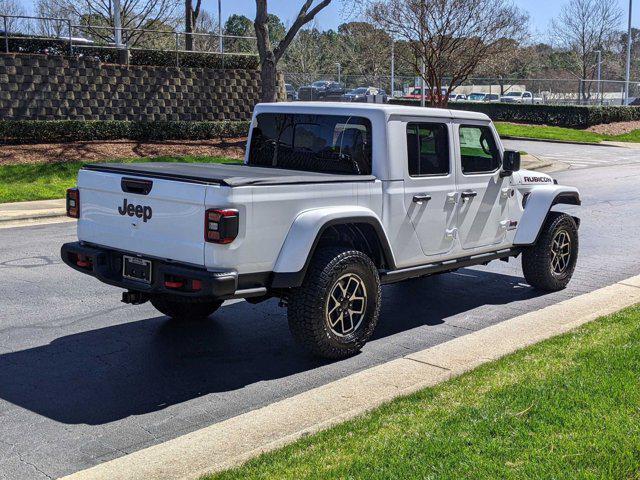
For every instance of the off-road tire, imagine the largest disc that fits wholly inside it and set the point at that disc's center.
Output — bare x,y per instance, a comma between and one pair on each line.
308,304
537,260
184,309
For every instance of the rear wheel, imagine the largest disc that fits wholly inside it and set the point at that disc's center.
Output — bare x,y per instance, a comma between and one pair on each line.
184,309
549,264
336,309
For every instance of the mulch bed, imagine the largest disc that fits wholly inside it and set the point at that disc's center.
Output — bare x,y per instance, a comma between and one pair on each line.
109,150
616,128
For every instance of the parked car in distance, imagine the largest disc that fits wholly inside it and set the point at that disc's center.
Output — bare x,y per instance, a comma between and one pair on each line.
520,97
321,90
333,201
457,97
492,97
476,97
292,95
361,94
416,94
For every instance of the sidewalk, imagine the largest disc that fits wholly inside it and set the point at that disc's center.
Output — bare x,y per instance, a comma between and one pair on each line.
20,211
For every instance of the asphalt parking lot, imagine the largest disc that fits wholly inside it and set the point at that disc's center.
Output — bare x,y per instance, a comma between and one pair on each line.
84,378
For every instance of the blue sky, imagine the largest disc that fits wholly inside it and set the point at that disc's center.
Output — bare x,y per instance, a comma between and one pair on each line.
541,11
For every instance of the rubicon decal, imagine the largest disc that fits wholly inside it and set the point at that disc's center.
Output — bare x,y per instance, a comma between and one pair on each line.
537,180
141,211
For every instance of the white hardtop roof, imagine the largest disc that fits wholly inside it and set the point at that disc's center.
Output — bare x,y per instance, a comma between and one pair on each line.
351,108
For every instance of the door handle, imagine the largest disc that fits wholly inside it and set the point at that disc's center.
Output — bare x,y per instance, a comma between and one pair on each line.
421,198
468,194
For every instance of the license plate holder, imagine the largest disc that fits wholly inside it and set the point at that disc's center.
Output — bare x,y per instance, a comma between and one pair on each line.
135,268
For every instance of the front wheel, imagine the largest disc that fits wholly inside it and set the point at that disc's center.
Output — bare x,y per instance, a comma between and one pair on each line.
549,264
336,309
184,309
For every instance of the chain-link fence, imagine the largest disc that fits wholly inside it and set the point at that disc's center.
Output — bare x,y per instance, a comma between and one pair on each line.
558,91
31,34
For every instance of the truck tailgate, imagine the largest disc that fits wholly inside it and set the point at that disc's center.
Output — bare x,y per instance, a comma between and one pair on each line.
167,222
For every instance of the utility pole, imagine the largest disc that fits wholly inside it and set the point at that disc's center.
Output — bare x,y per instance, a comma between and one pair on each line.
220,39
626,82
599,52
117,23
423,69
393,66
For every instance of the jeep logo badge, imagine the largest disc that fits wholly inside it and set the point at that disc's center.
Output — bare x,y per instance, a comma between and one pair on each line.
141,211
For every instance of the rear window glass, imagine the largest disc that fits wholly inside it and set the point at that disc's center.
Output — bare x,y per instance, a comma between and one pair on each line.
313,143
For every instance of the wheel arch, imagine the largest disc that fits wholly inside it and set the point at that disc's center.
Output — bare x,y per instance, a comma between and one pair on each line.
538,206
358,228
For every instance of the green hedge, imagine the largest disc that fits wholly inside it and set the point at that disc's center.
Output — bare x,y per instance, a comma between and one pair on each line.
572,116
163,58
36,131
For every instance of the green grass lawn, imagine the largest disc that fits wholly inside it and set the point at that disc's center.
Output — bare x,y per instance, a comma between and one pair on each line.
567,408
560,133
46,181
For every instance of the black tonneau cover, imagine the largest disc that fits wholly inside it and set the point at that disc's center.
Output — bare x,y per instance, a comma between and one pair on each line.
224,174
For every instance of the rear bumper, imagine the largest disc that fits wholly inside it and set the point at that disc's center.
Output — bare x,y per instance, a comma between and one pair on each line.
106,265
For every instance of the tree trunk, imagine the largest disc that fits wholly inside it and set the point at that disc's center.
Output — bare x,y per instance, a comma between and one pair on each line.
269,79
188,25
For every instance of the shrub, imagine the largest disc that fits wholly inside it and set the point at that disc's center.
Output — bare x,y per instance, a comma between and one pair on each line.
41,131
162,58
572,116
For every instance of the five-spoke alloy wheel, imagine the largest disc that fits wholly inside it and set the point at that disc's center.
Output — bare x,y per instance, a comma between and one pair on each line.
346,305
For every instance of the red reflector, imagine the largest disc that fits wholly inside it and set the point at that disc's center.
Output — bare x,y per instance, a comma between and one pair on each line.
83,261
73,203
170,284
196,285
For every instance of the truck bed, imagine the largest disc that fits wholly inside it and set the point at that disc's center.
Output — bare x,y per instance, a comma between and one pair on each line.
224,174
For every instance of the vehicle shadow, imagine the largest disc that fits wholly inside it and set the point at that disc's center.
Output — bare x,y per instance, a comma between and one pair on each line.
99,376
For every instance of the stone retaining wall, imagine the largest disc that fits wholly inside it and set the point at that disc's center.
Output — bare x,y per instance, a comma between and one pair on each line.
39,87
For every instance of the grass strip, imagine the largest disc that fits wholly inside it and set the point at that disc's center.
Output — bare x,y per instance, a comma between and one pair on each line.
566,408
46,181
544,132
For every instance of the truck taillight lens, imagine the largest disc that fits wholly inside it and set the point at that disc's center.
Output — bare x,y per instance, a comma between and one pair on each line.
221,226
73,203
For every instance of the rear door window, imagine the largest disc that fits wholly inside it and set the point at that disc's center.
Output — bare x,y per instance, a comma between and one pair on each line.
312,143
478,150
427,149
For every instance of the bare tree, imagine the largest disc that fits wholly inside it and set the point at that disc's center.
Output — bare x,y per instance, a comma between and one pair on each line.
135,15
52,23
15,8
270,55
582,27
450,36
364,51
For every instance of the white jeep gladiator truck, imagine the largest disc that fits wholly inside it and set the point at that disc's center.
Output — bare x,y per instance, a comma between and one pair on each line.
333,200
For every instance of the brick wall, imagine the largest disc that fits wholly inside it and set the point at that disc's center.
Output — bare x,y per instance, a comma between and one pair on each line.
38,87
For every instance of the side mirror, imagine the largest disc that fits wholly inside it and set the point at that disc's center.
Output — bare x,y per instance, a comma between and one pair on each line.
510,162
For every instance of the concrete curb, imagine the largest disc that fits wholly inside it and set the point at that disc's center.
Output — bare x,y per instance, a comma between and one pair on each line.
240,438
547,140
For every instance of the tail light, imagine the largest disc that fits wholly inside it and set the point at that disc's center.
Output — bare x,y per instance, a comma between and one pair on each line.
73,203
221,226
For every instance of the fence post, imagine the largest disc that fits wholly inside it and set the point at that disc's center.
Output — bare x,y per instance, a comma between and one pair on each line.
70,38
6,34
177,49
